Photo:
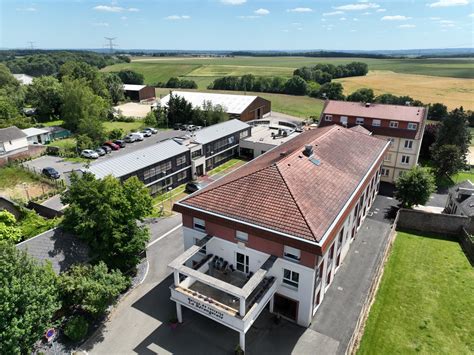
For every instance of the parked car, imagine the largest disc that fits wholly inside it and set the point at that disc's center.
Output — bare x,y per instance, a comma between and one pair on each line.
106,148
100,151
192,128
120,143
179,126
194,186
151,129
89,153
146,133
52,173
112,145
130,138
137,135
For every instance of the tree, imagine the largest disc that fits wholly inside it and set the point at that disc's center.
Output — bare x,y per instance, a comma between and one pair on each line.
437,112
45,95
75,70
448,160
429,138
179,110
116,133
361,95
6,77
91,288
28,299
8,229
115,86
454,130
151,119
414,187
105,213
84,142
296,86
131,77
332,91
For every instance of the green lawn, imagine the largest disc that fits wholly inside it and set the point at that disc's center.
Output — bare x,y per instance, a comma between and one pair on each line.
125,126
462,176
52,123
11,176
425,301
299,106
227,165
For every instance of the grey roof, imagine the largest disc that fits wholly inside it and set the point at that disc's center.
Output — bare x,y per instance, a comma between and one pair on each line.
463,195
137,160
11,133
219,130
62,249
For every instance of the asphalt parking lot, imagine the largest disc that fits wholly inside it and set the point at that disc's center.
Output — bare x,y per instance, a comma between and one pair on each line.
65,167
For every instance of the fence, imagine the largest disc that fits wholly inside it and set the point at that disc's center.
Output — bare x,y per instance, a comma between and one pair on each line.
44,211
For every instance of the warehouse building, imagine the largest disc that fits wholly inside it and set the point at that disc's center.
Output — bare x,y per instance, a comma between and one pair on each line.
242,107
138,92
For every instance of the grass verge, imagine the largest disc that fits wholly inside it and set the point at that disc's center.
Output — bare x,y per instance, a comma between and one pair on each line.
424,303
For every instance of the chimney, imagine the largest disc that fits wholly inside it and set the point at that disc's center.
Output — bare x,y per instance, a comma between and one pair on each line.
367,104
308,150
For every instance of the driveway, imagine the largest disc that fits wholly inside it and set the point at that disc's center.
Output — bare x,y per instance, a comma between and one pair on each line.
140,322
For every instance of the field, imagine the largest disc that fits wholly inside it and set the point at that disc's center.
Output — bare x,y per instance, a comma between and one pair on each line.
425,300
453,92
17,183
298,106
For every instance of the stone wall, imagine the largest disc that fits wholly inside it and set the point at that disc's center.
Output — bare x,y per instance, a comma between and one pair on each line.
10,206
33,151
432,222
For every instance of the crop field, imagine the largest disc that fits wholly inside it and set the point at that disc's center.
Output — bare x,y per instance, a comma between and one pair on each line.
453,92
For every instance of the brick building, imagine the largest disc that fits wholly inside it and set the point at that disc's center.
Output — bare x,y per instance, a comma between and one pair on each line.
275,231
403,126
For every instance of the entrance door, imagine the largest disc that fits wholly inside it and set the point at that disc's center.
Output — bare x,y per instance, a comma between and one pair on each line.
259,113
199,170
285,306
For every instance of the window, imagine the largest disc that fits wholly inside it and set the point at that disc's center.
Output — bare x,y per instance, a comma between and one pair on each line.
159,170
412,126
359,120
343,120
199,224
244,134
376,123
182,175
291,278
292,253
408,144
328,118
242,236
181,160
385,172
242,262
405,159
393,124
341,236
196,153
387,157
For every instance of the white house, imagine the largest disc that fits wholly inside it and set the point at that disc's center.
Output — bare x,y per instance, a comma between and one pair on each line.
24,79
12,139
37,135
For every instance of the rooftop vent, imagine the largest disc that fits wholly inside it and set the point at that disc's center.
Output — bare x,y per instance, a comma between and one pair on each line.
308,150
367,104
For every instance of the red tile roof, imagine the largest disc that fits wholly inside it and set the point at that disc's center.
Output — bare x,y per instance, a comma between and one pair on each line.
380,111
360,129
283,190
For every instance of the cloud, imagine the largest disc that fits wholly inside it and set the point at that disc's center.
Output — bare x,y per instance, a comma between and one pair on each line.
359,6
447,25
367,13
26,9
333,13
380,10
233,2
123,18
471,15
447,3
407,26
248,17
177,17
435,18
261,12
446,22
395,18
355,19
296,23
342,19
107,8
100,24
300,9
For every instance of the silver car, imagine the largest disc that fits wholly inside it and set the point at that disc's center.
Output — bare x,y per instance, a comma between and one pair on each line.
90,154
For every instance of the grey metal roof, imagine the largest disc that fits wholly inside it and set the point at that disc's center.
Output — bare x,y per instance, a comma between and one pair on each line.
11,133
219,130
62,249
137,160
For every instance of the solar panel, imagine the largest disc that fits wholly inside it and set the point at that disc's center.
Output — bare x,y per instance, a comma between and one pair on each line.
315,161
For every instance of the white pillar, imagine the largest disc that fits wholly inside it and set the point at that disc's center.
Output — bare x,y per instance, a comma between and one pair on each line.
179,313
176,278
242,340
271,304
242,307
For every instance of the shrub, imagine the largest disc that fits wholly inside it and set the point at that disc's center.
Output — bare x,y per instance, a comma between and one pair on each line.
76,328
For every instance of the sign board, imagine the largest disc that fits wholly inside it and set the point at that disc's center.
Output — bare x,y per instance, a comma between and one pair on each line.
205,309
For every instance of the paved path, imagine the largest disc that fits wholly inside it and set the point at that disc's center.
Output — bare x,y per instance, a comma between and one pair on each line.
139,323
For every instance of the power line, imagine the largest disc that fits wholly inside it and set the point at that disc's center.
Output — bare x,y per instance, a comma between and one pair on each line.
32,44
111,43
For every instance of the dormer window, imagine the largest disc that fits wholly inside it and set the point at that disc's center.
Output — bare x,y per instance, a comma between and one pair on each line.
412,126
328,118
393,124
376,123
359,120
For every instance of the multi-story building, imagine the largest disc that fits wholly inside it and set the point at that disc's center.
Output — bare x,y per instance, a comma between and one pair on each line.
276,230
403,126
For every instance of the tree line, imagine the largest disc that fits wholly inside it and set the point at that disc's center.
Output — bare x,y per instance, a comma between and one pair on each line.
324,73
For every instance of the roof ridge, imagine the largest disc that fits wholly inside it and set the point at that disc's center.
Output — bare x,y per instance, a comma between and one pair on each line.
296,204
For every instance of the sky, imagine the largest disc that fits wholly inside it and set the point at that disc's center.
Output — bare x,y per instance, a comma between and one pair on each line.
238,24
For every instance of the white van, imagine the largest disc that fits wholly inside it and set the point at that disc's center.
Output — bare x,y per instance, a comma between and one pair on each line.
138,136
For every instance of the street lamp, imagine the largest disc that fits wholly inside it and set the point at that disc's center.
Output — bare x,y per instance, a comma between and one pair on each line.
171,197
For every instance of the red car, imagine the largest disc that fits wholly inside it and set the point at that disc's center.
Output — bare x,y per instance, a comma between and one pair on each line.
112,145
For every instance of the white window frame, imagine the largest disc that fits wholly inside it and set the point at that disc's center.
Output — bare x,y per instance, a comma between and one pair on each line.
328,118
393,124
408,144
412,126
242,266
376,123
360,120
242,236
292,254
199,224
291,278
405,159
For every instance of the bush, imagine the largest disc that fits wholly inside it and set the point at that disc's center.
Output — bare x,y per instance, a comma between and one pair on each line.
76,328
